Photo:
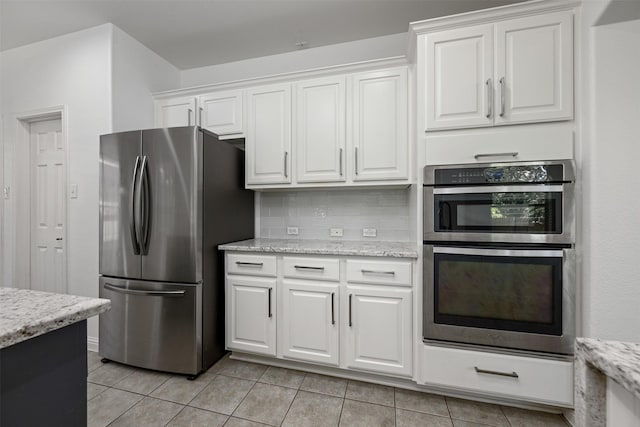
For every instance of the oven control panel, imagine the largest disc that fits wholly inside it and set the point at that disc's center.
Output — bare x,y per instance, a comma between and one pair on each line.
499,175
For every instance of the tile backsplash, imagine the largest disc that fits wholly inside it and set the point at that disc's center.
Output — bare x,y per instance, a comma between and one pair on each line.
316,212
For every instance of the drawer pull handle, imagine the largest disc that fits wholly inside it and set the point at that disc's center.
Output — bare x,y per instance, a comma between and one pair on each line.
250,264
391,273
305,267
480,156
502,374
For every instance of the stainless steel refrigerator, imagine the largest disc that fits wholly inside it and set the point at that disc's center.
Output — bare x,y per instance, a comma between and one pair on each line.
168,197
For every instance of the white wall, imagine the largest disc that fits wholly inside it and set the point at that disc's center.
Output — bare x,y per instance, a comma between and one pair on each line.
137,73
300,60
72,70
611,208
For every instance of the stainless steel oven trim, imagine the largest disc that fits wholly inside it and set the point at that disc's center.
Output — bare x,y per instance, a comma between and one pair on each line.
498,252
566,237
542,188
569,168
507,339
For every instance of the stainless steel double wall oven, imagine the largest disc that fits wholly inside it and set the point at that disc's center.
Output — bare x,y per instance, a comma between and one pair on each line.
499,257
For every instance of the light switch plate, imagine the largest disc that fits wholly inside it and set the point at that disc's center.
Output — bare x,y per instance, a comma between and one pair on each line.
74,191
369,232
6,192
336,232
292,230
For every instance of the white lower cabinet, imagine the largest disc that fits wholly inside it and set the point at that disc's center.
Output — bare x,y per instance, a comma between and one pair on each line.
547,381
378,329
251,314
309,319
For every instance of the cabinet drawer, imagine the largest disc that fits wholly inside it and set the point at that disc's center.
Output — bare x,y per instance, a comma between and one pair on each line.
379,272
311,268
251,265
516,143
538,380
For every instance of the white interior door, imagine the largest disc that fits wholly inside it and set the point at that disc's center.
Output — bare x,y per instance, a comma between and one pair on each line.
48,206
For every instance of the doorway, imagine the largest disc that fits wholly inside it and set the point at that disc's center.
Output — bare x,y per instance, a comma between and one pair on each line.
47,205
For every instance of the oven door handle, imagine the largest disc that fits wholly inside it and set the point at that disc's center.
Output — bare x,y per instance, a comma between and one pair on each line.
538,188
499,252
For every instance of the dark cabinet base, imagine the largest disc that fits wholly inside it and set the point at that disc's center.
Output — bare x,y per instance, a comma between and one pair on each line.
43,380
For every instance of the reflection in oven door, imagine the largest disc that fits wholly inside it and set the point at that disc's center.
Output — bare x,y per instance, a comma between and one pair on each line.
505,297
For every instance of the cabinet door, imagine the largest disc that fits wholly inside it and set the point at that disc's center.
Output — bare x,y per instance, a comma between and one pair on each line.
380,125
221,112
251,314
378,329
176,112
534,69
310,321
268,136
320,129
458,74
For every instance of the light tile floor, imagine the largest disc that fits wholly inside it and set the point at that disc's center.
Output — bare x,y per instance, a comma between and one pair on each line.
240,394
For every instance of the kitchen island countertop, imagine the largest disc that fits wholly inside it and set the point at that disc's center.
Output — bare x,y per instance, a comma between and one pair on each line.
325,247
25,314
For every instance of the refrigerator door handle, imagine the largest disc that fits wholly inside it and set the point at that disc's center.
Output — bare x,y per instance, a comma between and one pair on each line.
132,209
122,290
145,196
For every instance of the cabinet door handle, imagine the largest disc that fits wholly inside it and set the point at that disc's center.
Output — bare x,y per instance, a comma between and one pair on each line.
189,112
249,264
480,156
341,162
391,273
350,322
305,267
502,374
200,116
333,318
502,94
269,306
286,169
489,98
356,159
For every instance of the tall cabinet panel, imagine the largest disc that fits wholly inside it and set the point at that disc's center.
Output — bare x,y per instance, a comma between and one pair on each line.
534,69
320,129
459,88
268,135
380,125
176,112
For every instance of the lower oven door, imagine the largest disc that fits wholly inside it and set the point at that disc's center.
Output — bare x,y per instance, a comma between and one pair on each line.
512,298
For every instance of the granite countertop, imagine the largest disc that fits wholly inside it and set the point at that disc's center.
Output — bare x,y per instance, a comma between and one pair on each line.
325,247
618,360
25,314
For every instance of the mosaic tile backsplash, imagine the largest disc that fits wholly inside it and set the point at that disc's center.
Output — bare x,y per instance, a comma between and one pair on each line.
316,212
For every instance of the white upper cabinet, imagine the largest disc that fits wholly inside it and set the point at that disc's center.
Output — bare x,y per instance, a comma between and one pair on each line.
513,71
221,112
380,124
534,69
460,84
176,112
268,134
320,116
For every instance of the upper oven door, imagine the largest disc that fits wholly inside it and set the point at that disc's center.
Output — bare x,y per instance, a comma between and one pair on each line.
510,213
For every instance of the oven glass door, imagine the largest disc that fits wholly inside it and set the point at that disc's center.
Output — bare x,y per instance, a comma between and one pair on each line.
499,289
513,209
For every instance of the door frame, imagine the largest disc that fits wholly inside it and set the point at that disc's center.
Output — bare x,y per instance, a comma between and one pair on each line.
21,177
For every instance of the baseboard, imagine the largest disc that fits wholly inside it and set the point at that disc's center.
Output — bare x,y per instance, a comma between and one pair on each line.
92,344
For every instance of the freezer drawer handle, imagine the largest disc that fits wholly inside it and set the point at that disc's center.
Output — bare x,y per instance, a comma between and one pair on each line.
139,292
502,374
249,264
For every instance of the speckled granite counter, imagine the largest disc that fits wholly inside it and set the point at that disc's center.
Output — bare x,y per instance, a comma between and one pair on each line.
325,247
596,360
25,314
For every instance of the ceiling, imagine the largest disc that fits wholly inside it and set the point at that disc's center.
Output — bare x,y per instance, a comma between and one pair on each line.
191,33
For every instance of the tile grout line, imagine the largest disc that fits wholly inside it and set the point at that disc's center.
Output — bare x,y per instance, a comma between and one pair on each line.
290,405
